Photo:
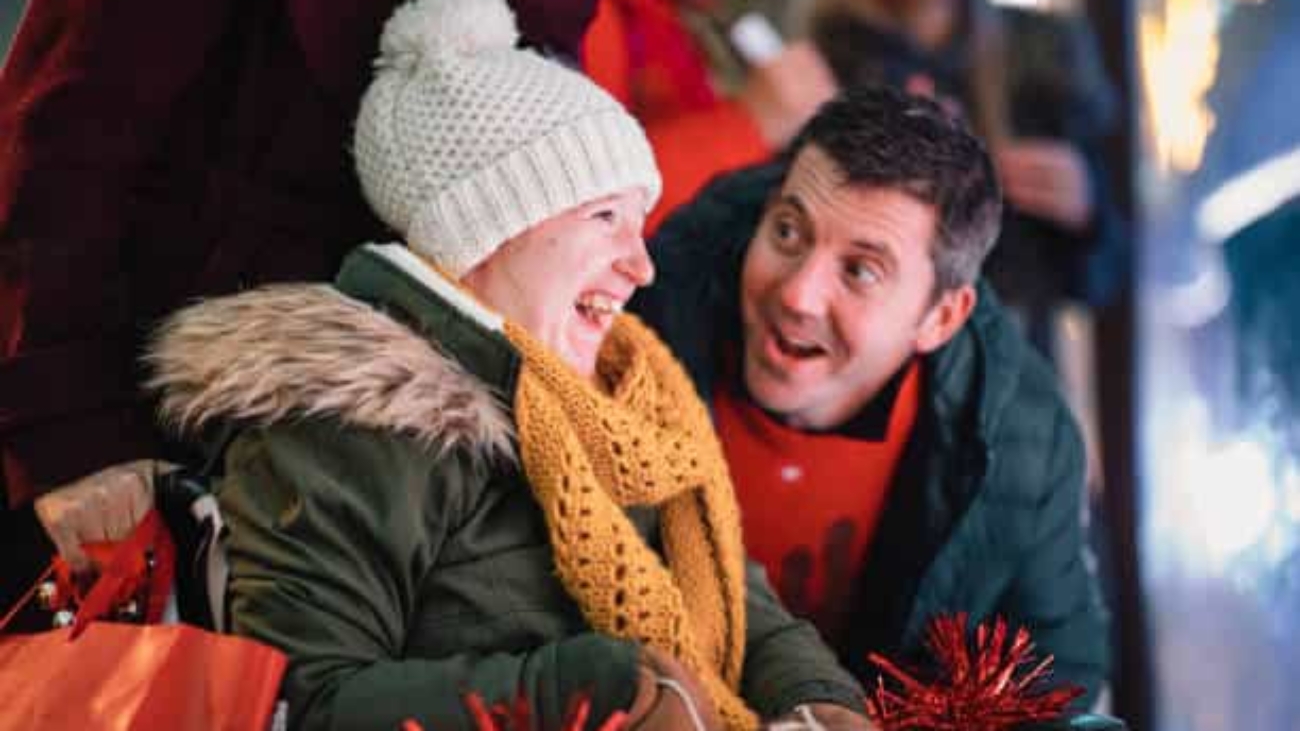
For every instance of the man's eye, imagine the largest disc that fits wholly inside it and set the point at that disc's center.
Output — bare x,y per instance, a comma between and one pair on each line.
605,215
862,275
785,234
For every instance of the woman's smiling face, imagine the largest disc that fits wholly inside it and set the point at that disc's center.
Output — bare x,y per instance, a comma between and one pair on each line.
566,278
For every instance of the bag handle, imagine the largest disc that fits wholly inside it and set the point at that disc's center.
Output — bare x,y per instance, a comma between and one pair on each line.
114,574
26,597
119,569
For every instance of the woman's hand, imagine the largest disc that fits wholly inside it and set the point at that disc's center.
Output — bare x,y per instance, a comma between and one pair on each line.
104,506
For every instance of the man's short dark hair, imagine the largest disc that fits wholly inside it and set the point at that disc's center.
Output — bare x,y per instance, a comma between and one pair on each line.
880,137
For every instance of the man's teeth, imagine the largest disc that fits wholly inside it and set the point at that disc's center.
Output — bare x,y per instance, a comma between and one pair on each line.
798,348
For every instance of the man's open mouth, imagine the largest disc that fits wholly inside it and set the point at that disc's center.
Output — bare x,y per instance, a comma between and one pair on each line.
795,347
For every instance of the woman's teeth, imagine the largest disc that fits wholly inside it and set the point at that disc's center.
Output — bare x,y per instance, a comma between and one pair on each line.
598,306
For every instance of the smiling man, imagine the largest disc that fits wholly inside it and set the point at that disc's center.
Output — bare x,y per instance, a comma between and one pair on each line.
897,447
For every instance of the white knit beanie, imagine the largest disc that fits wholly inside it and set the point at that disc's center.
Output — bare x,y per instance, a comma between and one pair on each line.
463,141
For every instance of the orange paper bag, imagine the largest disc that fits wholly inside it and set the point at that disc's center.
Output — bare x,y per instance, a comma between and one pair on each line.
126,677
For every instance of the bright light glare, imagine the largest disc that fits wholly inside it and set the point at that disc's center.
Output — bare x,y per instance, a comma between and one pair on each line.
1178,48
1291,492
1230,496
1247,197
1196,302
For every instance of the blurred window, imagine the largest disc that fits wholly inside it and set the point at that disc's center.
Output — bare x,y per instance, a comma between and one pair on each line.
1219,359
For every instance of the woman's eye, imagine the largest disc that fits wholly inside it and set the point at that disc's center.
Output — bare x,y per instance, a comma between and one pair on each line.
605,215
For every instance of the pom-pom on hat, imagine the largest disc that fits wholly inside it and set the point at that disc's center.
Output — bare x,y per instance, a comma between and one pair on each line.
464,141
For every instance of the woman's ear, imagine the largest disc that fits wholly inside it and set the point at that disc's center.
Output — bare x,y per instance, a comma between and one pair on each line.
945,318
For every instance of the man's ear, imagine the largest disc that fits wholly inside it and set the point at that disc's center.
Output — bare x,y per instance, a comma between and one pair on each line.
945,318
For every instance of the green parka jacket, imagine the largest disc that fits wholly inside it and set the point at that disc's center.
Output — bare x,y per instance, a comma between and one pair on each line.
381,531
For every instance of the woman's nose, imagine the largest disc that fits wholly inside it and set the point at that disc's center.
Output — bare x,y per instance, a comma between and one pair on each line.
637,265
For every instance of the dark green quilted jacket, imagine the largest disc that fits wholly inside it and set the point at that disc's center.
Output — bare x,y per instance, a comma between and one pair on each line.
985,514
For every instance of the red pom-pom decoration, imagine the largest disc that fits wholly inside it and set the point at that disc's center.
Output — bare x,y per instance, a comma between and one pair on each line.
992,686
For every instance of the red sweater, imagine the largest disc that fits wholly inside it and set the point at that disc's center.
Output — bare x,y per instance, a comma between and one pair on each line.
811,501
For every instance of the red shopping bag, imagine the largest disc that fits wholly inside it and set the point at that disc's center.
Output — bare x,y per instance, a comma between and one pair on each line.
104,675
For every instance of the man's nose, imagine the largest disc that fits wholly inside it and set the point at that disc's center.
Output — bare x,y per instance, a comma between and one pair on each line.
803,289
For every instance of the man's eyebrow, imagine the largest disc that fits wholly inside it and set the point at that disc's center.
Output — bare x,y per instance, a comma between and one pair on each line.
879,249
787,199
870,246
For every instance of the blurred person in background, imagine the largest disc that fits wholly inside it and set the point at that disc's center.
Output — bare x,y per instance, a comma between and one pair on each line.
1033,87
667,61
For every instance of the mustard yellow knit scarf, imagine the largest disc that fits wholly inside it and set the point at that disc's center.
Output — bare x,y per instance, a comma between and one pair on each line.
643,439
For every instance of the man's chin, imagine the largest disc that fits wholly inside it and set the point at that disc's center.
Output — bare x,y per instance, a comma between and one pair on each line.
774,394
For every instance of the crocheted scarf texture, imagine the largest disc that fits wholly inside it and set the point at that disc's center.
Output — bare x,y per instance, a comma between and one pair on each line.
641,436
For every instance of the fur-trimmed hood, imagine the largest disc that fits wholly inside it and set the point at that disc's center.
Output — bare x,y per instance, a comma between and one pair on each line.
295,351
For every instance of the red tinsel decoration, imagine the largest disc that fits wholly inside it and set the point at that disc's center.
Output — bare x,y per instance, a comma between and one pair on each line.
983,688
517,716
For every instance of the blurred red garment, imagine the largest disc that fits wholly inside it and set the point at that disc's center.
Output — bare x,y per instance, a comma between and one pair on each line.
642,53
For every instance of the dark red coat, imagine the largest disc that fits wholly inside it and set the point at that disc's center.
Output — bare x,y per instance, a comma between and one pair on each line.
152,151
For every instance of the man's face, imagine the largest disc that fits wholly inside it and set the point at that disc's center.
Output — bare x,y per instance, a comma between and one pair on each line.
836,294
